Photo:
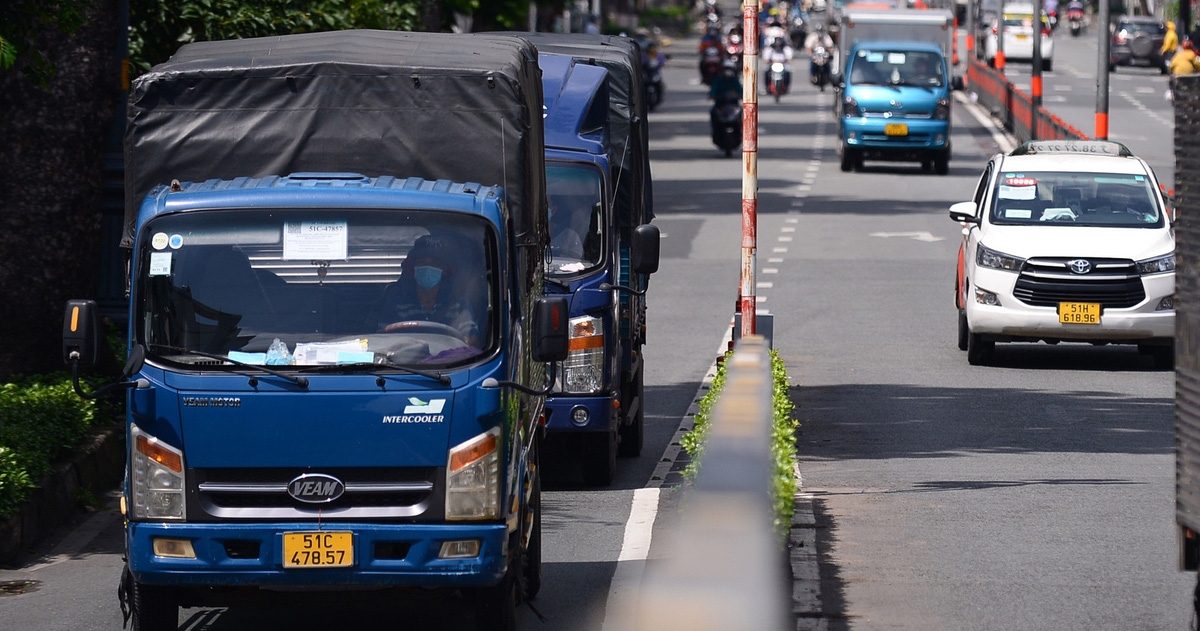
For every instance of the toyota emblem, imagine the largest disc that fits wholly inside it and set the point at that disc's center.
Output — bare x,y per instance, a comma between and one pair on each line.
1080,266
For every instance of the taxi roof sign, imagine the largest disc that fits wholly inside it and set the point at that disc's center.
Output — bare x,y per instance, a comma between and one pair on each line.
1093,147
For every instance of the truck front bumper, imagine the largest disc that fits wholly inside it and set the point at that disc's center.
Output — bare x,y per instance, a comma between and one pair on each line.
599,413
383,555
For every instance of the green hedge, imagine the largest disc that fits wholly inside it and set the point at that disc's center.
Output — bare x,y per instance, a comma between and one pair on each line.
42,421
783,438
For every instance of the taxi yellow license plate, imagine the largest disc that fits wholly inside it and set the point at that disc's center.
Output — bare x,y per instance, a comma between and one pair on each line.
1022,37
318,549
896,129
1079,312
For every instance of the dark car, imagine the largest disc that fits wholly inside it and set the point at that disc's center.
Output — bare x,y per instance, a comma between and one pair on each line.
1137,41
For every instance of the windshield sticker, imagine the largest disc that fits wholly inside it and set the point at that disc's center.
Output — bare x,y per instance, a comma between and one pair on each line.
176,241
159,242
327,352
315,240
254,359
1018,213
874,57
160,264
1022,193
896,59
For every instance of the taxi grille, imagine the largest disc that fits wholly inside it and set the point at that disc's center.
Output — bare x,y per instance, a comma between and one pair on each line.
1045,282
370,493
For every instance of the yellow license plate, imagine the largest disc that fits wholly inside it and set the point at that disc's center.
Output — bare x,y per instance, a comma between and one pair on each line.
318,548
1022,37
896,129
1079,312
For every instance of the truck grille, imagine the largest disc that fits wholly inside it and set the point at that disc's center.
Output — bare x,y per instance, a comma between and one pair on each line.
1045,282
370,493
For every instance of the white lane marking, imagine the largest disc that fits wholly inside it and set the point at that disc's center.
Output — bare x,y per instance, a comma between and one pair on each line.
985,119
916,236
764,285
631,564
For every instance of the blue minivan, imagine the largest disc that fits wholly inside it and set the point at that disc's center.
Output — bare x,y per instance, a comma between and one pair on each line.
895,105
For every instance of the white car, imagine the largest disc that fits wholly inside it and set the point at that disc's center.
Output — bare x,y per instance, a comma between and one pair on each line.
1018,37
1066,241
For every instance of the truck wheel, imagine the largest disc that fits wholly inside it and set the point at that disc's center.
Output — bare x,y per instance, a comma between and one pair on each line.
496,606
154,608
600,458
964,332
979,352
531,568
633,434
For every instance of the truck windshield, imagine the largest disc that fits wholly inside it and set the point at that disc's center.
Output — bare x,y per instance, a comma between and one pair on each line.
889,67
1072,198
575,195
311,287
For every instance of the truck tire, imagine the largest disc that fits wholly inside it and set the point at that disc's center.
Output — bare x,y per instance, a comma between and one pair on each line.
600,458
154,608
496,606
633,433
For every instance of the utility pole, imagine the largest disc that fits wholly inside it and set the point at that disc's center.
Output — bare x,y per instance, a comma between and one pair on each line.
747,304
1102,72
999,62
1035,78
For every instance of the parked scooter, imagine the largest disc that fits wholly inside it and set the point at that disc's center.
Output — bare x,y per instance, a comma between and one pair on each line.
820,67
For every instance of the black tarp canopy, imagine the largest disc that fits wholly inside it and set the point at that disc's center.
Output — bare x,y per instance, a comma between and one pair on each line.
432,105
629,127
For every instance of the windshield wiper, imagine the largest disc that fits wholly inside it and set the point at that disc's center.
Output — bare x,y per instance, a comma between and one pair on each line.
300,381
371,366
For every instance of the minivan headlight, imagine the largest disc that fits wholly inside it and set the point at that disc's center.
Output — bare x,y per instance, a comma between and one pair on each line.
987,257
850,108
156,478
942,111
1157,265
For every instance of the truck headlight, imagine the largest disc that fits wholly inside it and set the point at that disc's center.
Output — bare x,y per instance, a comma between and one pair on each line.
942,111
1157,265
986,257
583,369
850,108
473,478
156,478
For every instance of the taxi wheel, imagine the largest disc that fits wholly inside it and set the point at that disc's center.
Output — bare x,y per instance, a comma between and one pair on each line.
1164,357
964,331
979,352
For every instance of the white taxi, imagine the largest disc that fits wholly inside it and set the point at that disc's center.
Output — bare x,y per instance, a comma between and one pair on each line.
1066,241
1019,31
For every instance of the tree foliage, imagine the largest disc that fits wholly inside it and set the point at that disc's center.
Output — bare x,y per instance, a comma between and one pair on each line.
22,21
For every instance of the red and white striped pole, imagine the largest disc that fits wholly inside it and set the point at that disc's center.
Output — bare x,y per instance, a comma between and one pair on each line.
749,165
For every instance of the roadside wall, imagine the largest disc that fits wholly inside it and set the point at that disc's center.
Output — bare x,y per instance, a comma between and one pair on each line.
1187,301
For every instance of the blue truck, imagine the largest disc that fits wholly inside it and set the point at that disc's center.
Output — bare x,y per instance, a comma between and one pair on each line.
603,246
339,342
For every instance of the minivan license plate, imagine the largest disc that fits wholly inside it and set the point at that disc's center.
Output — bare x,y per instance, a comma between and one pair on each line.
319,548
1079,312
896,129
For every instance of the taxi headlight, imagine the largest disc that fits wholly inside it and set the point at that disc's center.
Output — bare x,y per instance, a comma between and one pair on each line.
986,257
1157,265
156,478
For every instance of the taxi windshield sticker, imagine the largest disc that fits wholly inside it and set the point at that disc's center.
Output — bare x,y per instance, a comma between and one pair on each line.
1023,193
1018,213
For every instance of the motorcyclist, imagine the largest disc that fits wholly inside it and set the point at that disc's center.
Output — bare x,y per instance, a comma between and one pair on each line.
815,39
727,86
1170,42
711,39
779,51
1185,61
773,32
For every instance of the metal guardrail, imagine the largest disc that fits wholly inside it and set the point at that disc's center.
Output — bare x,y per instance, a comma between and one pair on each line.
725,564
1015,108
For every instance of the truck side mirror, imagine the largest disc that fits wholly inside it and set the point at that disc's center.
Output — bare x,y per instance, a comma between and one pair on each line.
81,333
645,249
550,329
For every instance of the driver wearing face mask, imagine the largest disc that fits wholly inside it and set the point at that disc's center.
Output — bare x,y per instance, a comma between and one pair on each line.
426,292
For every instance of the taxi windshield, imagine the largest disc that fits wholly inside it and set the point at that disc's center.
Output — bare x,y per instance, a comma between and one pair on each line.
575,196
312,287
1079,199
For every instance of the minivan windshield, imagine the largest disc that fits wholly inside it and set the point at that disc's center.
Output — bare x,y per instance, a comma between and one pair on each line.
310,287
1076,199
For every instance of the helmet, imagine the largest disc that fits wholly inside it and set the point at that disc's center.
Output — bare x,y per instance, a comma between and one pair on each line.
1187,44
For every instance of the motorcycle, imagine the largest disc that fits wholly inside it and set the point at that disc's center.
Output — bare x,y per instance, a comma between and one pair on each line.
735,47
777,80
726,120
710,64
652,78
820,67
798,32
1075,20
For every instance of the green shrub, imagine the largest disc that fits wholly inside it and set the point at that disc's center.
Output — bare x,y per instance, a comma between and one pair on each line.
42,421
783,438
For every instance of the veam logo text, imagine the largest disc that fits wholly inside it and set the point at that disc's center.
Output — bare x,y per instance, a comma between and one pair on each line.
316,488
418,411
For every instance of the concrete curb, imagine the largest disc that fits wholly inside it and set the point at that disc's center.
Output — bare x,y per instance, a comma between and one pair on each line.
806,575
98,468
